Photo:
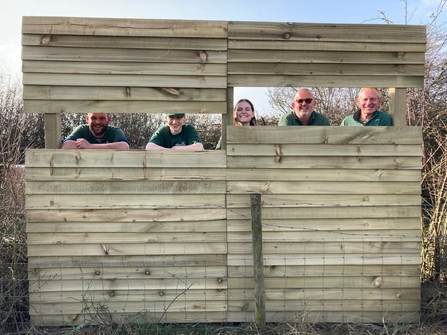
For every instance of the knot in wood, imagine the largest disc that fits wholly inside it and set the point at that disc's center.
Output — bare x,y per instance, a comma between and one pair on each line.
287,36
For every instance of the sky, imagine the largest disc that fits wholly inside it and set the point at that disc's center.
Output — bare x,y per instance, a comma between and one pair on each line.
315,11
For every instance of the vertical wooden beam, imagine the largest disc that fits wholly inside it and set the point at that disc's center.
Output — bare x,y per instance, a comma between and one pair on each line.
52,130
398,106
227,119
258,259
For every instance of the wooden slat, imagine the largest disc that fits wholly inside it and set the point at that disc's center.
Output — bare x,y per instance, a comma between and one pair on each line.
325,135
326,32
119,93
123,215
291,69
123,27
247,80
121,55
327,57
294,174
125,42
124,158
134,227
322,188
322,199
52,131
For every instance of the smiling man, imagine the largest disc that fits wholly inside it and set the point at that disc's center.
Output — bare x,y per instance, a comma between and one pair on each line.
96,134
303,113
368,101
175,135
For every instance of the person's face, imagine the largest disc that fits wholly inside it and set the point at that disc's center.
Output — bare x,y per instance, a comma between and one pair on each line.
304,104
97,123
368,102
175,124
244,113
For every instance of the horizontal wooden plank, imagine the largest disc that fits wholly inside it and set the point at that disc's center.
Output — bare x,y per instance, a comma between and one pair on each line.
128,187
124,250
124,159
293,69
125,42
322,188
157,107
125,238
338,162
35,262
123,27
327,57
139,173
170,283
294,174
324,135
327,282
121,55
322,199
193,81
168,69
124,272
332,224
247,80
325,32
302,213
127,227
327,270
124,215
314,247
318,45
42,92
360,150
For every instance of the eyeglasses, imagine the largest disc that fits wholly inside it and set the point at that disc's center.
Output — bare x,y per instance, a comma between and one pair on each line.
308,100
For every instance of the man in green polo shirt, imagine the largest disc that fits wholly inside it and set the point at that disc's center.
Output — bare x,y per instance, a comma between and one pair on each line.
303,113
369,100
96,134
175,135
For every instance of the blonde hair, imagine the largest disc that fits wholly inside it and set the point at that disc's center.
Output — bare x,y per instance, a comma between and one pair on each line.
253,119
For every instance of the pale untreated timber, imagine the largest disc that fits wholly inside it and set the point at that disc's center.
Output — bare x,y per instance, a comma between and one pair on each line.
325,135
325,32
325,150
52,130
334,187
294,174
291,69
124,215
398,106
31,92
134,227
125,42
318,200
327,57
333,224
248,80
123,27
121,55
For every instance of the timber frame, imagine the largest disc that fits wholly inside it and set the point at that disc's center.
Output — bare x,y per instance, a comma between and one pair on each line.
166,237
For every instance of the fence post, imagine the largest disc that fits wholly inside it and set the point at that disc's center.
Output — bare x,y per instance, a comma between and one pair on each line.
258,263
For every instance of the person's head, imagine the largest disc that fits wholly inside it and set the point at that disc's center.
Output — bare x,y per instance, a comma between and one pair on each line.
303,104
368,101
97,123
175,122
244,113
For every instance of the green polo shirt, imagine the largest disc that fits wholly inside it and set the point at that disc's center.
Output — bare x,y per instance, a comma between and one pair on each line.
112,135
164,138
316,119
378,119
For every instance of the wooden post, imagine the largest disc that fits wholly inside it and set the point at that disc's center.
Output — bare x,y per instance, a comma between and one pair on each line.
398,106
258,259
52,130
227,119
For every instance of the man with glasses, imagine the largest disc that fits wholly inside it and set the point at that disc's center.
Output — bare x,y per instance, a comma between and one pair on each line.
303,112
368,101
